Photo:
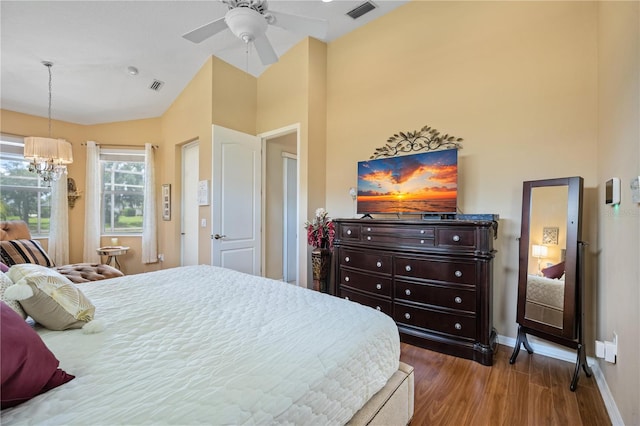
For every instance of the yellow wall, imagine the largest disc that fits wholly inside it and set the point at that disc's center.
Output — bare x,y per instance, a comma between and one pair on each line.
618,248
290,92
517,81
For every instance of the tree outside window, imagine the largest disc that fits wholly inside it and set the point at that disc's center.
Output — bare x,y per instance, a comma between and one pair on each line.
122,196
23,194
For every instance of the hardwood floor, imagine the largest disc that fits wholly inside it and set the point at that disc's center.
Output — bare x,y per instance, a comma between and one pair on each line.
532,391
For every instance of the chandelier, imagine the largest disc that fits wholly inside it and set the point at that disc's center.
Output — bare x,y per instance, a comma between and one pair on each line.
48,157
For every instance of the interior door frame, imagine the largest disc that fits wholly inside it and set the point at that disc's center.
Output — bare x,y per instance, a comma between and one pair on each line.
188,145
286,157
265,137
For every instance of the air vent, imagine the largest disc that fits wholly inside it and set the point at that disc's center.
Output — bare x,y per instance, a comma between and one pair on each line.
360,10
156,85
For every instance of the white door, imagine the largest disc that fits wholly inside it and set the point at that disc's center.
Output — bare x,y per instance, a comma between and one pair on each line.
290,237
236,209
189,203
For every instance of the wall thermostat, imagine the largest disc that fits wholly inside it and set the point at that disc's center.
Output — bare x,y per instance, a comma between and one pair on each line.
612,191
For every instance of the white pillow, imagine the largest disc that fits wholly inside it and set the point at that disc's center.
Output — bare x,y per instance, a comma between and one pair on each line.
50,298
5,283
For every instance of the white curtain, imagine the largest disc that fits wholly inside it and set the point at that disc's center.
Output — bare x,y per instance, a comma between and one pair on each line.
149,222
58,247
92,205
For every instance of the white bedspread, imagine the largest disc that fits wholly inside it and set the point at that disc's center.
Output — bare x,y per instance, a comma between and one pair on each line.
205,345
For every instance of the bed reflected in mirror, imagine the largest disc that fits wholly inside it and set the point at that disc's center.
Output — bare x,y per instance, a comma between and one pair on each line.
547,250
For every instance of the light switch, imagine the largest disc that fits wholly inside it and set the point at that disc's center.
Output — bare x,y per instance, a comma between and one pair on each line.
203,223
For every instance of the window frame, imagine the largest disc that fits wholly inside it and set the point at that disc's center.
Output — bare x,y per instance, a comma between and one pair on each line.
118,155
12,149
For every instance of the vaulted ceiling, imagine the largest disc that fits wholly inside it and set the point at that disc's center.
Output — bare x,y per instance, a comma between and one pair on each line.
93,43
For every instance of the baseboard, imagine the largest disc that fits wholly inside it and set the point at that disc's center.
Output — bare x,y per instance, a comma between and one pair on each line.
551,350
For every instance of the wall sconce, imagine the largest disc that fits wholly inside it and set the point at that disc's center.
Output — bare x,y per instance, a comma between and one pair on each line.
72,192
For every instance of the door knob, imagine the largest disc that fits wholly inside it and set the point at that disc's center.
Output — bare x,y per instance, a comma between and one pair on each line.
219,237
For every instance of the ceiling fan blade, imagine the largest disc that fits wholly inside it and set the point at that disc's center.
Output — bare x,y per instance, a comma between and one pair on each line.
207,30
265,50
301,24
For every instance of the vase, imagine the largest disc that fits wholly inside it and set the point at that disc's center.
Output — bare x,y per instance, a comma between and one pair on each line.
320,264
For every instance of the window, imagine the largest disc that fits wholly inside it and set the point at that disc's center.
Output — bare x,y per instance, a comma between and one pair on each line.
23,194
122,174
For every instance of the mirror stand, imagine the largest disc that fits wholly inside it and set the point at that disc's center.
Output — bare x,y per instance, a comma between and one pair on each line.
581,359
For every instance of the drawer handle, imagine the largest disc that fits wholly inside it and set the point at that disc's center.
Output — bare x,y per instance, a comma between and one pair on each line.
379,264
346,279
407,316
368,229
379,286
346,259
421,241
378,308
348,231
458,274
456,238
458,299
407,292
346,298
407,268
458,326
368,237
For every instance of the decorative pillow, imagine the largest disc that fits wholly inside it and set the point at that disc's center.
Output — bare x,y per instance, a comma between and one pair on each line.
554,271
49,298
27,367
3,267
5,283
14,252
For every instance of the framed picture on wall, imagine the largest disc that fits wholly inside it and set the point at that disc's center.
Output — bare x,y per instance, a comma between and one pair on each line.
166,201
550,235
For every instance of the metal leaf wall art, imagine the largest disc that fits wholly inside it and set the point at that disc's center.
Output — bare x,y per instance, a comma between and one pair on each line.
425,139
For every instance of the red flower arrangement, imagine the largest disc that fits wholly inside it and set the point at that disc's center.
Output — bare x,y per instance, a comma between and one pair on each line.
320,231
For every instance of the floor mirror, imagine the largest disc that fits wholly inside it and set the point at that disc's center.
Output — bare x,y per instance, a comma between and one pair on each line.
551,264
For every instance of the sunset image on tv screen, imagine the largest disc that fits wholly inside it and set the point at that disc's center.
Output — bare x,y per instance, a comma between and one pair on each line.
417,183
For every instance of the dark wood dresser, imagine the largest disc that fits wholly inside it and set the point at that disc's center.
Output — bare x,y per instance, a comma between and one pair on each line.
434,278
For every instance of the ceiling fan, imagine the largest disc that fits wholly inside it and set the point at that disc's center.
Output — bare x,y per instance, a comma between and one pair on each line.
248,20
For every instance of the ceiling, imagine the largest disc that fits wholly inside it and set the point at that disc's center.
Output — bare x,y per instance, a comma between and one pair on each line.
92,43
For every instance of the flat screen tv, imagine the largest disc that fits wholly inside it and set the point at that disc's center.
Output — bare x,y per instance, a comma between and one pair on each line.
424,183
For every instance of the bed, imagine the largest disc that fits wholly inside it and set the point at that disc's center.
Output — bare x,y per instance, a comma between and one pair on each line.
202,344
545,299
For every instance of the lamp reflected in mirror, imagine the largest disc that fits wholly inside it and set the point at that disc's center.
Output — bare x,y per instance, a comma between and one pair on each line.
539,252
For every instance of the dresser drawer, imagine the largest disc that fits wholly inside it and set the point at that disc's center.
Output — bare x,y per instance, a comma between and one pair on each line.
350,232
458,272
403,232
368,260
455,325
448,297
456,237
366,282
379,304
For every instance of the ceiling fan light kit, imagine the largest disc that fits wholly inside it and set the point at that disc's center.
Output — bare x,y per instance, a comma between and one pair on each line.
246,23
249,20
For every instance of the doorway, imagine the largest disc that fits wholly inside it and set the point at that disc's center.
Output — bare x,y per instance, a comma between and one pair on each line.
280,205
189,204
290,210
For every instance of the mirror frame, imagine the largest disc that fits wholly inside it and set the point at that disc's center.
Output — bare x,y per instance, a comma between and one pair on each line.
572,308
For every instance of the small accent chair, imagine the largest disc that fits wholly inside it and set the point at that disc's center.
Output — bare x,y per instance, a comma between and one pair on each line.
16,246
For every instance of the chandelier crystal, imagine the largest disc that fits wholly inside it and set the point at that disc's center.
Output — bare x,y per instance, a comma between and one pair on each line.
48,157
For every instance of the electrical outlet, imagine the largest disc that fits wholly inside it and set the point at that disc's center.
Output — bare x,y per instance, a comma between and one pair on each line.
610,352
161,257
599,349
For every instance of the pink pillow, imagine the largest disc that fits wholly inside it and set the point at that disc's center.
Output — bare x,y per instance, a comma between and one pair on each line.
3,267
27,367
554,271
